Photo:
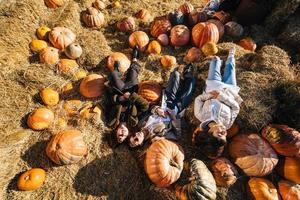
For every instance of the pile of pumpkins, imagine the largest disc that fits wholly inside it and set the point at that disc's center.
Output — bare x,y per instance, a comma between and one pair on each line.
255,155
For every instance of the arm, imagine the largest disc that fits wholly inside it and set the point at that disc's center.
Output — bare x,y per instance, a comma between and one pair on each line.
232,103
141,104
199,101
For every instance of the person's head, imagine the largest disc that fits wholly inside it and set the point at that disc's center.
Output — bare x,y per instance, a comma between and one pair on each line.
218,131
136,139
121,133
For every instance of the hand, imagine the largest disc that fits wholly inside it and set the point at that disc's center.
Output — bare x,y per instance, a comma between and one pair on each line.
161,112
172,114
215,94
126,95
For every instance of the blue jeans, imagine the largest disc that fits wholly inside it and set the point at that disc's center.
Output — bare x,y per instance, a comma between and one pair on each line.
214,72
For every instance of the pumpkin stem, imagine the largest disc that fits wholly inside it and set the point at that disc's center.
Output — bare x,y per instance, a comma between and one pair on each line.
174,164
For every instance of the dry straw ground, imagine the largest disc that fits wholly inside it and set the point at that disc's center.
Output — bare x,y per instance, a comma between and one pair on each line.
107,173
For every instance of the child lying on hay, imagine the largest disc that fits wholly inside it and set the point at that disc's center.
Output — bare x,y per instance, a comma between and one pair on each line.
165,120
218,106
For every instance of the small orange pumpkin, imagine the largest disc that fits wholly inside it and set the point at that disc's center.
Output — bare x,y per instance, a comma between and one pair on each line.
154,47
193,55
49,55
186,8
289,190
122,58
40,119
42,32
163,39
80,74
31,179
92,86
261,188
49,97
93,17
126,24
67,88
160,26
289,168
204,32
180,35
37,45
248,44
139,38
67,66
100,5
164,162
72,107
144,15
66,147
54,3
73,51
61,37
234,129
209,49
224,172
168,61
151,91
116,4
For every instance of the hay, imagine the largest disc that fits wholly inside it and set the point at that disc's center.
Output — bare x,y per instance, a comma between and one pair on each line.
291,33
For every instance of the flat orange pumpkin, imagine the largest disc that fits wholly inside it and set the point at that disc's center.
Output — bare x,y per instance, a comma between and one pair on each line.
262,189
40,119
49,96
31,179
92,86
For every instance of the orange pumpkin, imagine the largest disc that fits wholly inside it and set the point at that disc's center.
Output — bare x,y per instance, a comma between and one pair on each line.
72,107
196,16
253,154
234,129
163,39
42,32
61,37
49,96
204,32
224,172
160,26
151,91
289,190
73,51
100,5
164,162
37,45
31,179
126,24
92,86
219,25
180,35
80,74
186,8
93,17
248,44
40,119
139,38
285,140
144,15
234,29
168,61
49,55
262,189
222,16
54,3
193,55
154,47
122,58
66,147
67,88
289,168
67,66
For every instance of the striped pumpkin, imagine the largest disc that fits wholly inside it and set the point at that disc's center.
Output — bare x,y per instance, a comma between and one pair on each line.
151,91
160,26
204,32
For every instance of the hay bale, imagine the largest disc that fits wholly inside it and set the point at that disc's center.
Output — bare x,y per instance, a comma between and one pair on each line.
291,33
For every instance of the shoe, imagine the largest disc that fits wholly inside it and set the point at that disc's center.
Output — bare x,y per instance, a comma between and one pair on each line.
136,52
231,51
188,71
117,65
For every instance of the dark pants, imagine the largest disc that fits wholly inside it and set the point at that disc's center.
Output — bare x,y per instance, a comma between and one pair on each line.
179,92
131,80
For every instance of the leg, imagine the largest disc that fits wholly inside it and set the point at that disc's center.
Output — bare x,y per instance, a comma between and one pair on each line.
229,71
185,94
116,81
132,76
172,88
214,72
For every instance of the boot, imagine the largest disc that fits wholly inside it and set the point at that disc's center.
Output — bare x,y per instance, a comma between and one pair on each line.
188,71
136,52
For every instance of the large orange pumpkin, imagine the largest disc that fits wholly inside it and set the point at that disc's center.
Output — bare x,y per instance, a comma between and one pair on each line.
262,189
204,32
54,3
160,26
201,183
285,140
93,17
67,66
92,86
49,55
180,35
122,58
248,44
66,147
40,119
219,25
224,172
61,37
253,154
193,55
139,38
151,91
49,96
289,190
31,179
289,168
164,162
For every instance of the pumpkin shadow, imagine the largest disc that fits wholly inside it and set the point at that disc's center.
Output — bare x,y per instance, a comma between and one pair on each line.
23,121
115,176
12,186
40,161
